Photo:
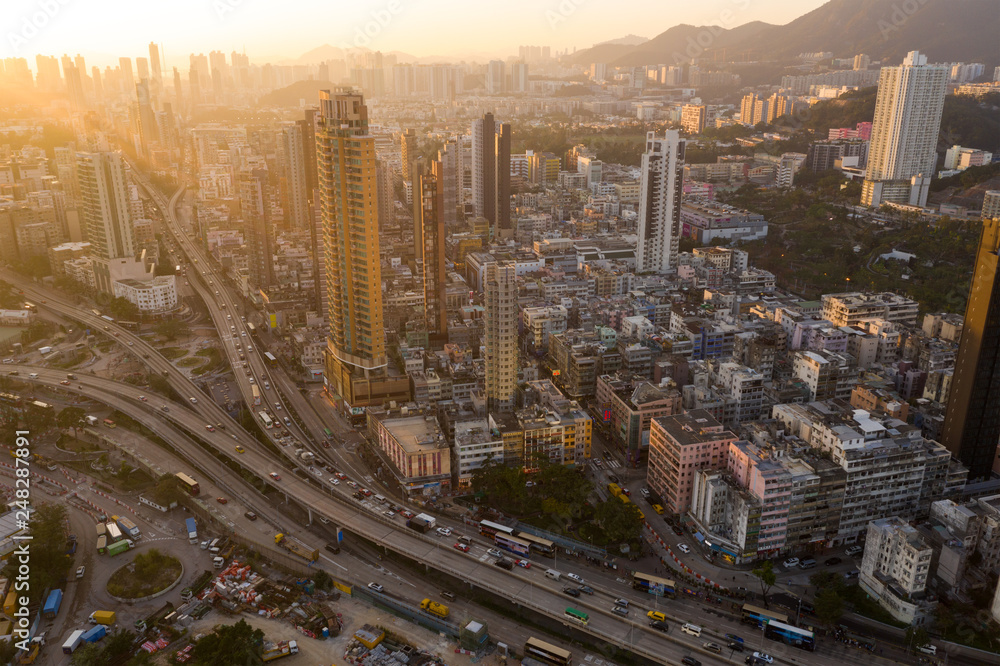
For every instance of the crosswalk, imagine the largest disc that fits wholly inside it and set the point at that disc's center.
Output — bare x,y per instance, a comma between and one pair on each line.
612,463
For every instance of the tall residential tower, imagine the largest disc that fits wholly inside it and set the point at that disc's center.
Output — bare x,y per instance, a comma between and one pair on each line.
491,172
500,291
104,198
660,203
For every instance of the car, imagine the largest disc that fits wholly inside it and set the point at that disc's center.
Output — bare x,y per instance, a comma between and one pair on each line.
763,656
275,476
790,562
586,589
524,564
854,550
143,398
130,344
832,561
375,587
620,610
853,573
461,546
644,492
243,334
277,406
684,548
621,602
65,383
80,571
734,646
614,479
365,492
352,484
210,428
571,591
678,531
334,481
656,615
658,508
388,514
406,513
14,372
659,625
494,552
240,449
688,660
251,515
572,576
733,638
194,401
712,647
222,500
626,492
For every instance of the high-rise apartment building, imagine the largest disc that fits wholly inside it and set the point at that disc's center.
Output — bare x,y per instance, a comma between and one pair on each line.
127,76
500,290
104,199
903,151
991,205
491,172
972,422
355,364
294,190
408,153
693,118
450,158
519,77
495,74
431,193
255,209
660,202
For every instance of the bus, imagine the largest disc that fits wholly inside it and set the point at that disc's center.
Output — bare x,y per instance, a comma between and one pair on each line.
326,431
43,406
251,328
109,423
266,420
10,399
107,318
759,616
96,312
538,544
789,635
661,587
578,616
256,394
546,652
270,357
512,544
188,483
615,489
488,528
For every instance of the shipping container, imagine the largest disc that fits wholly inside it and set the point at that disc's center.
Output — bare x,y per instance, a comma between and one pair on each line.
51,607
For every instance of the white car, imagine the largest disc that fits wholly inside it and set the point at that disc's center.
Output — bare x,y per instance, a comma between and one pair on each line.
790,562
763,656
572,576
334,481
684,548
444,531
375,586
494,552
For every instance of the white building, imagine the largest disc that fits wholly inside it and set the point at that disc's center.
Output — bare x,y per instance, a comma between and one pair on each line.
660,203
156,295
895,569
905,132
495,72
474,446
540,322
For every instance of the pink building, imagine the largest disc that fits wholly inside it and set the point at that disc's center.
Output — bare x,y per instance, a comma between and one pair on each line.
679,446
770,482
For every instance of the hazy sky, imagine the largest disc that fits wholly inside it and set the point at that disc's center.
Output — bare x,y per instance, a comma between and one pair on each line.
102,30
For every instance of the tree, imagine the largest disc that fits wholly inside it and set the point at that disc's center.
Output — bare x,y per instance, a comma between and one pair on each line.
829,606
122,308
917,637
169,328
88,654
765,574
323,580
71,417
619,521
231,645
49,564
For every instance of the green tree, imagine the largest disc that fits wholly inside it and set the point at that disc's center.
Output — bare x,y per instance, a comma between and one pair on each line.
71,417
764,572
829,606
122,308
917,637
231,645
323,580
49,563
619,521
170,328
502,485
167,490
88,654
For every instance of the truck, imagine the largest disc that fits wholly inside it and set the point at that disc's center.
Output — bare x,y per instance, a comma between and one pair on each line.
52,603
305,456
73,642
92,420
95,634
430,520
274,651
418,524
102,544
192,529
293,545
434,608
71,547
114,534
102,529
128,527
44,350
117,547
102,617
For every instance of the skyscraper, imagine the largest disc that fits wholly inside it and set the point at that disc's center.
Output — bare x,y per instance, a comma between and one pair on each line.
347,169
295,195
449,157
903,150
154,63
408,153
128,78
660,202
495,74
491,171
104,198
256,211
431,195
972,423
500,290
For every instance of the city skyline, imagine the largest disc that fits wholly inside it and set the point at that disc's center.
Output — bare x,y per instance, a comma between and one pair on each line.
194,26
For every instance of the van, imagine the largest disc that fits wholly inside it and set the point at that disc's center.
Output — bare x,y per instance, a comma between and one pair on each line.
378,498
466,540
807,563
692,629
620,610
447,595
217,562
713,647
854,550
928,649
333,548
553,574
34,375
505,564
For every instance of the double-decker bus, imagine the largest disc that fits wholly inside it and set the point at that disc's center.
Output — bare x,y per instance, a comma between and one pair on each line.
661,587
789,635
546,652
256,394
188,483
538,544
578,616
10,399
266,420
488,528
512,544
760,616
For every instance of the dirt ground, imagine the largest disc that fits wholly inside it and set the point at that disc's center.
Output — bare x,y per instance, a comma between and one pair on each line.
329,652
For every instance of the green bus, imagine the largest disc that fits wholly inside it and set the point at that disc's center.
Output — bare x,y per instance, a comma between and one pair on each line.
326,431
578,616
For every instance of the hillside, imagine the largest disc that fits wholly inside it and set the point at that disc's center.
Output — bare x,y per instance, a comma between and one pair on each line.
291,95
881,28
